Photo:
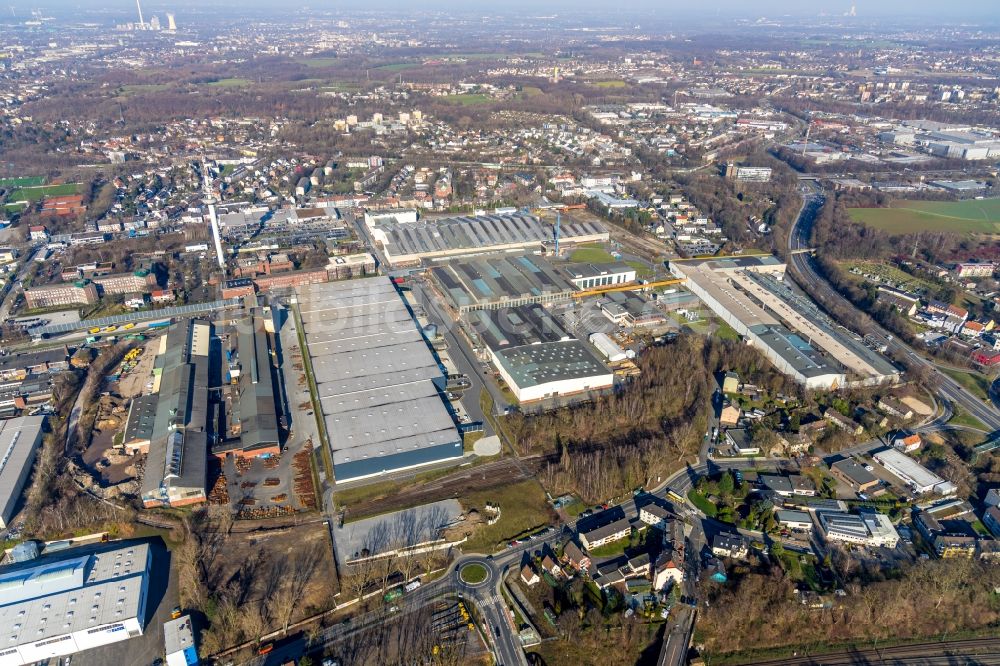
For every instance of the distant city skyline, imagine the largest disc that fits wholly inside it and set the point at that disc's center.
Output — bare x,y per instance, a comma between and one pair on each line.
951,12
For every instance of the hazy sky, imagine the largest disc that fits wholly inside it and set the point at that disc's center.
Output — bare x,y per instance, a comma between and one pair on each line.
949,10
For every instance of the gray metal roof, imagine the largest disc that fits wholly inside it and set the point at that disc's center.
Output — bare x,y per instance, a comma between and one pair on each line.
257,407
141,417
433,237
19,439
56,595
375,374
532,365
481,282
178,449
137,317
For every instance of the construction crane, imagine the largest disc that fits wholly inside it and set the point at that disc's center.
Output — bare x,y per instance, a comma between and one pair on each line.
558,224
632,286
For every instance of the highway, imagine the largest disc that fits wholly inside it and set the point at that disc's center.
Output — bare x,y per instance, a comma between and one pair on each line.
948,388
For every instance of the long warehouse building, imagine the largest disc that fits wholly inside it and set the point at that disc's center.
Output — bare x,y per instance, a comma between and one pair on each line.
748,294
407,243
378,385
19,440
177,464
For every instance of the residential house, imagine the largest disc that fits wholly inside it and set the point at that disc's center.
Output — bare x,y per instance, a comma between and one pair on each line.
894,407
839,420
907,442
528,575
729,545
947,310
162,296
988,550
992,497
549,564
906,303
605,534
639,565
730,416
666,571
985,357
854,475
950,546
991,519
796,443
575,557
656,515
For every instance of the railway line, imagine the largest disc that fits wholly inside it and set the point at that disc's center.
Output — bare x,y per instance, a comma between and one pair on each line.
980,651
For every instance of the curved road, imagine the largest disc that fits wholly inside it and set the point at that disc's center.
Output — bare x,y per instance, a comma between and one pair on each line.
798,238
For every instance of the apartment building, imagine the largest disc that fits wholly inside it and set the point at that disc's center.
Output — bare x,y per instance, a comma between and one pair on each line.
136,282
81,292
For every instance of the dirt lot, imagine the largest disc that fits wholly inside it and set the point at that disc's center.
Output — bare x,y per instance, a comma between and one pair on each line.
259,488
265,561
133,383
100,456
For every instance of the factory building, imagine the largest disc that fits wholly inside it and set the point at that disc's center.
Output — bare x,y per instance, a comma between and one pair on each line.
500,281
175,471
19,440
750,295
408,243
589,276
867,529
74,600
378,385
254,409
913,474
536,357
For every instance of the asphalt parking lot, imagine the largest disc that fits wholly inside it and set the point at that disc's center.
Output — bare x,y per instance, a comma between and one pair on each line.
162,598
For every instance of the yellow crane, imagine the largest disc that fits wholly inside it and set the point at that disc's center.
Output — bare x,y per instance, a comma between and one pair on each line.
632,286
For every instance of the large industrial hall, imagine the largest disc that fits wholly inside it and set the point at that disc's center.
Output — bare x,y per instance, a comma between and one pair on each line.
378,385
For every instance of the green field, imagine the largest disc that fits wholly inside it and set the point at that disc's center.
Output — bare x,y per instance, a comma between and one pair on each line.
523,509
473,573
961,418
615,83
971,216
467,99
317,62
230,83
36,193
592,254
25,181
140,88
977,383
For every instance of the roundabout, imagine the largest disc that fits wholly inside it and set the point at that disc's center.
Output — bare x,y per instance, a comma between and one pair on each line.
475,574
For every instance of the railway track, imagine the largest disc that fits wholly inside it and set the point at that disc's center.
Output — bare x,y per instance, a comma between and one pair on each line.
979,652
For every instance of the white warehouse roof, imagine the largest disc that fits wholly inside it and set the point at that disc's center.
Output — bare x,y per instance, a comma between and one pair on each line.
910,471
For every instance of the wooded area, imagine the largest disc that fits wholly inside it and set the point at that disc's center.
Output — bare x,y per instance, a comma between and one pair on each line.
934,598
646,430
